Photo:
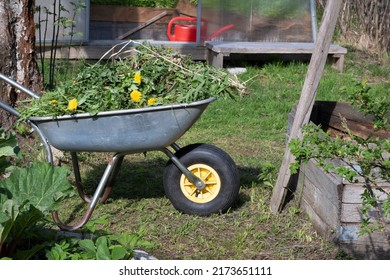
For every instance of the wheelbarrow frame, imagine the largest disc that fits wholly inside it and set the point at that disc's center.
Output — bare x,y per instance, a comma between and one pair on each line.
105,184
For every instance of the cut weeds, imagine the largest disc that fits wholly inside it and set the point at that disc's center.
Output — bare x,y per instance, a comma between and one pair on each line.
252,131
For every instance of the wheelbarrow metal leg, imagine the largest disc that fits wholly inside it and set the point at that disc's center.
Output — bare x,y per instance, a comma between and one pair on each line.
198,183
112,165
77,176
175,147
111,179
109,185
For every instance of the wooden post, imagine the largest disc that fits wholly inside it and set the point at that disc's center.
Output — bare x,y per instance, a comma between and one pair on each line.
306,101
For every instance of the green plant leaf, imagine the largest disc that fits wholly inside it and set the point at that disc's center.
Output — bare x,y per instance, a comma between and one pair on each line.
89,248
9,213
128,240
8,148
8,143
103,252
41,185
117,252
28,217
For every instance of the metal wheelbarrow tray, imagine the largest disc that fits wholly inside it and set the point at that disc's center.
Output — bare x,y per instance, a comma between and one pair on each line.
134,130
199,179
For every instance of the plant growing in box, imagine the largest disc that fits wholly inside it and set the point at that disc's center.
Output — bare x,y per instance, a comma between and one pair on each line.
365,158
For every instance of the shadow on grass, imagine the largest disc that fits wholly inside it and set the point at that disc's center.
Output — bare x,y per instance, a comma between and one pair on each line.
144,179
135,180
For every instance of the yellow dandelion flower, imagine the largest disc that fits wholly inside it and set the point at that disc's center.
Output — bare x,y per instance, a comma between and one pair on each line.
72,105
151,101
135,96
53,101
137,78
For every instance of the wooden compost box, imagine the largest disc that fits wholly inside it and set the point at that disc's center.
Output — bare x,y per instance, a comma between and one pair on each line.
332,203
112,22
121,22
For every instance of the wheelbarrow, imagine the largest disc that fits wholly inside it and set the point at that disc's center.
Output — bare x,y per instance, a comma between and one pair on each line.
187,32
199,179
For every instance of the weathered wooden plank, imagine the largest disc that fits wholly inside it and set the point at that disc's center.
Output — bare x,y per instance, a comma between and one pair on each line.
373,246
337,107
306,101
268,48
143,25
360,128
128,14
337,61
351,213
323,180
218,50
331,114
352,193
321,192
326,208
321,226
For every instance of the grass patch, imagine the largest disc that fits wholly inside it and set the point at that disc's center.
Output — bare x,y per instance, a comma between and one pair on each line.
252,131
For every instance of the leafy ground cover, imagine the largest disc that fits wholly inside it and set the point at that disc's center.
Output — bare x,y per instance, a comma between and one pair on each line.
252,130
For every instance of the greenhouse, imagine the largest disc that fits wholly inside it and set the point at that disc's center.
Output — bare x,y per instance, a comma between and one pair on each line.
212,30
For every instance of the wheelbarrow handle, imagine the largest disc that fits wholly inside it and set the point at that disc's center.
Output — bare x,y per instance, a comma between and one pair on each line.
18,86
9,109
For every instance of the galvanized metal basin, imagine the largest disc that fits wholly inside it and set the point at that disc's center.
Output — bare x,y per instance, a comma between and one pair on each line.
133,131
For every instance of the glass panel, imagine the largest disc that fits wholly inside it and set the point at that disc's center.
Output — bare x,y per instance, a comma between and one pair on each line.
258,20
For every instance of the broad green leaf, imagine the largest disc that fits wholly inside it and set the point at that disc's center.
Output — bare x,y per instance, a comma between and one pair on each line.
89,247
10,211
8,148
103,253
8,143
28,217
118,252
41,185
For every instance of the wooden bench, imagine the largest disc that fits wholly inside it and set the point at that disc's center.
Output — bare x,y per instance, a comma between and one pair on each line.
217,51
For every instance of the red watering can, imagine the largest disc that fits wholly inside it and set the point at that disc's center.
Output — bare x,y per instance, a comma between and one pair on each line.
187,32
183,32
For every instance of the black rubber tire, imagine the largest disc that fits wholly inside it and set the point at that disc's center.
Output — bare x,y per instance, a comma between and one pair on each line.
213,157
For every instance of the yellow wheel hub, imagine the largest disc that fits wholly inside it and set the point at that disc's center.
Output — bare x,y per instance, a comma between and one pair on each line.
211,179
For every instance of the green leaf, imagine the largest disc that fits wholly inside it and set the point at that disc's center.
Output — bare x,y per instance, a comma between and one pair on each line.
103,253
8,143
9,213
128,239
41,185
30,216
89,247
118,252
8,148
